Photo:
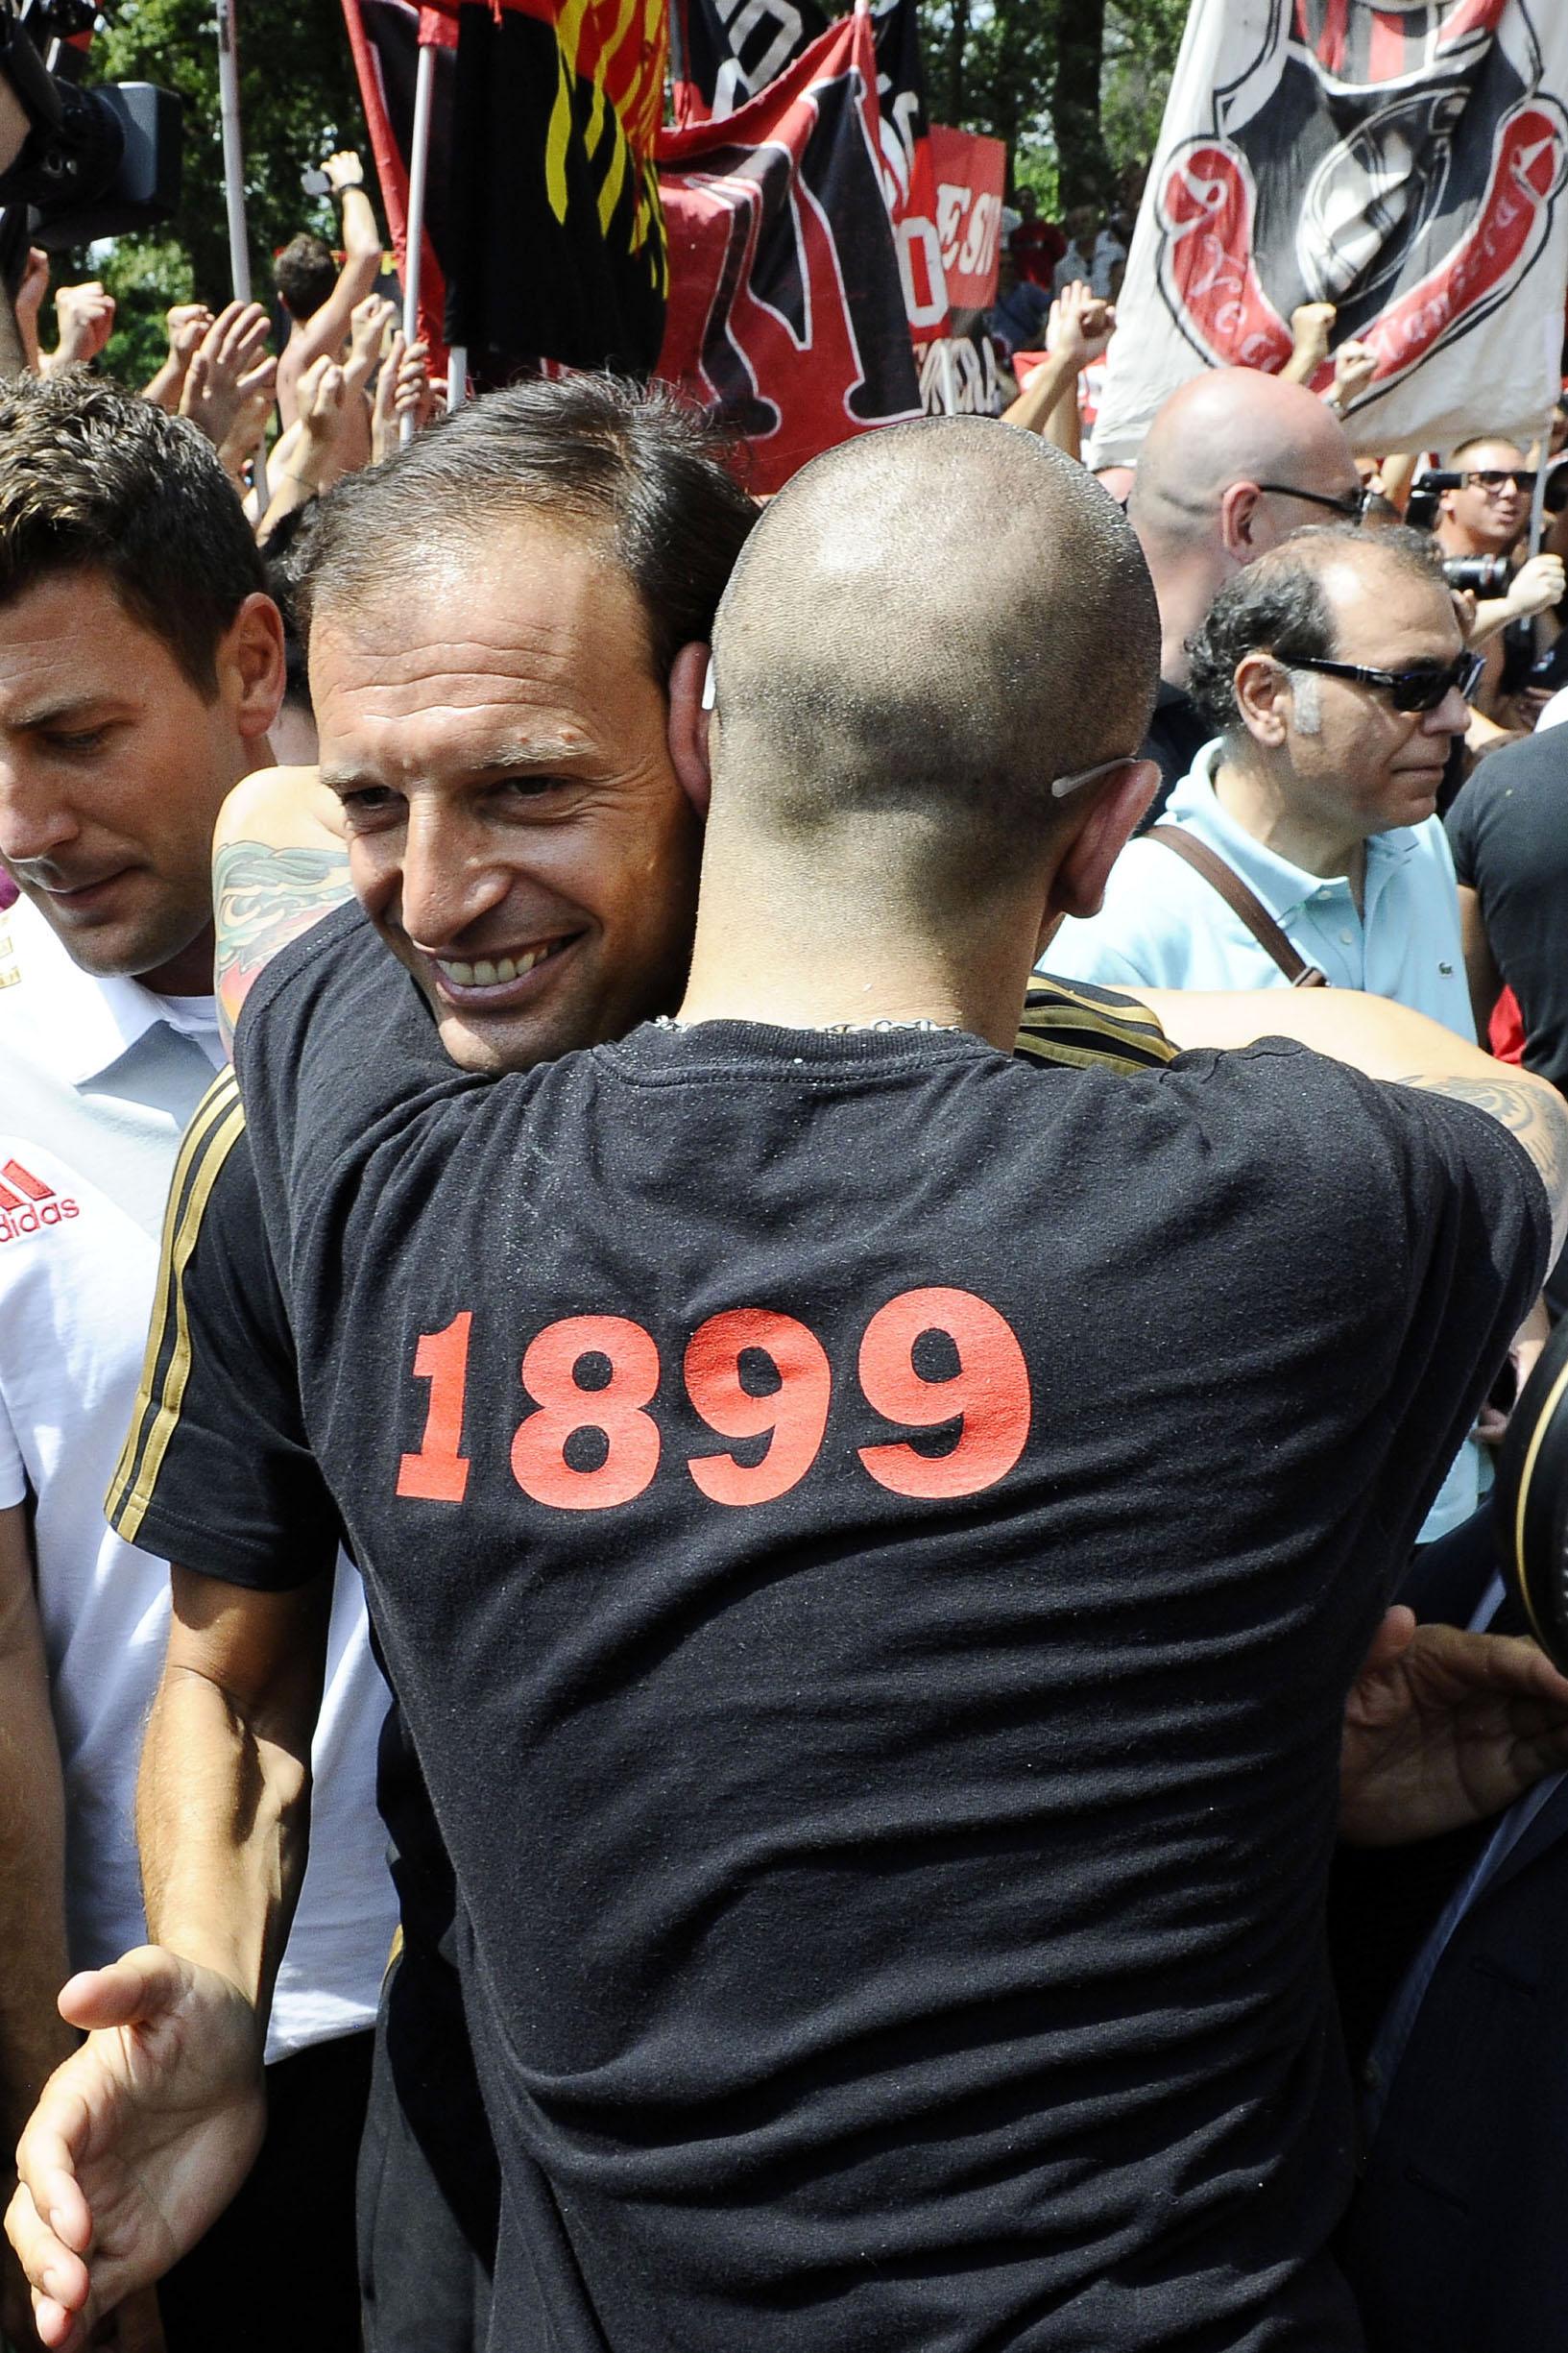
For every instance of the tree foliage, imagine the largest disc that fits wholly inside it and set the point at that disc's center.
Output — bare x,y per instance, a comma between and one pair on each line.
298,102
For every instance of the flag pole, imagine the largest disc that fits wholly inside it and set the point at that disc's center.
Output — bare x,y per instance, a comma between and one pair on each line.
233,180
419,175
457,376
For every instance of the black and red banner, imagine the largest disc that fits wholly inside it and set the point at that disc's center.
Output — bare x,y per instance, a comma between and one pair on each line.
787,313
544,234
385,36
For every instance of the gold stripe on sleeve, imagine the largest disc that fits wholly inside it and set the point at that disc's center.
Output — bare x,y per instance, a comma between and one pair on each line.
1090,1028
214,1131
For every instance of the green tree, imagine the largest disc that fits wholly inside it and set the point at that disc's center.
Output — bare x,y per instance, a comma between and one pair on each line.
298,101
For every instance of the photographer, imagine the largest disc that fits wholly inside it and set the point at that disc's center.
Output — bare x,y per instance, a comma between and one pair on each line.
1482,517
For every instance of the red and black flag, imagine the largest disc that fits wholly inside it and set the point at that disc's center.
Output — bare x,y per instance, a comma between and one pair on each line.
556,246
386,37
787,314
725,51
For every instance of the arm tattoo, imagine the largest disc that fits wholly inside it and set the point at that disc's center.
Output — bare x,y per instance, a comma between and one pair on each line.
264,898
1535,1113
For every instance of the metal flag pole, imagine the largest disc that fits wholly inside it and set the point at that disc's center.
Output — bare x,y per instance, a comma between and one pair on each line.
419,176
233,180
457,375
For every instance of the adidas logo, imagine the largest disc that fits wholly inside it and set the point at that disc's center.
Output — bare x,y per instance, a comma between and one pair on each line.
27,1203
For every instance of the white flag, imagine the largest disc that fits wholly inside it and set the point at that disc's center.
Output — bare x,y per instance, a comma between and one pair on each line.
1407,162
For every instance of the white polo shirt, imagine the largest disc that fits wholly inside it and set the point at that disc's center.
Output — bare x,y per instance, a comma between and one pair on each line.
98,1080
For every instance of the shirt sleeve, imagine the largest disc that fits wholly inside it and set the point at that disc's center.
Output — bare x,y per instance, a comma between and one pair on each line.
1460,827
215,1473
13,1469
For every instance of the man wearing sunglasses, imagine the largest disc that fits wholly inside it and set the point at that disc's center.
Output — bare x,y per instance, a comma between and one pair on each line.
1488,513
1304,846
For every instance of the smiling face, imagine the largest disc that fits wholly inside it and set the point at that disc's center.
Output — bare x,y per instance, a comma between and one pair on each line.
1477,520
1364,765
112,769
518,833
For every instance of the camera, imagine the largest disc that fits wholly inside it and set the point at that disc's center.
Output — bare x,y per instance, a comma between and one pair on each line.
83,163
1483,575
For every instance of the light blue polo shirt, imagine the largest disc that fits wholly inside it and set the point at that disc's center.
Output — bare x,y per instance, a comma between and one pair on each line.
1162,926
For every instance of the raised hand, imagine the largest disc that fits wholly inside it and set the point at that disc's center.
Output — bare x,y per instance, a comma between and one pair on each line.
1354,365
228,355
1443,1728
257,390
1080,324
139,2140
1539,583
186,324
34,285
1311,324
403,389
86,318
367,324
344,170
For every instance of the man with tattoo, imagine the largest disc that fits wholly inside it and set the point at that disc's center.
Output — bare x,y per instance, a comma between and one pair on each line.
141,667
890,1872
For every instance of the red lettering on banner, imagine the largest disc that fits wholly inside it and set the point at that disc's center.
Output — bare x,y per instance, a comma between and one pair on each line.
990,1393
549,1376
1207,205
795,1414
439,1473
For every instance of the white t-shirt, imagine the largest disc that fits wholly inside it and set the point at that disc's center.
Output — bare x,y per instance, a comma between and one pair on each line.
98,1080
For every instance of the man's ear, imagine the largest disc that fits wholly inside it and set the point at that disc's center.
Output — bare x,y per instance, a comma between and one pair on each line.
1078,884
1262,686
251,666
1242,522
688,725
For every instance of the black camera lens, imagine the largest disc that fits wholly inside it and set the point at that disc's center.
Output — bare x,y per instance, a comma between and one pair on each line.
1483,575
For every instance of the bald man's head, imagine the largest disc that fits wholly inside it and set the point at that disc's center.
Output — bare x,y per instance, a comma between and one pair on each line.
1235,425
928,627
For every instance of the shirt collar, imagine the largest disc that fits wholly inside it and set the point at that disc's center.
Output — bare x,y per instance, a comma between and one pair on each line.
87,1023
1280,885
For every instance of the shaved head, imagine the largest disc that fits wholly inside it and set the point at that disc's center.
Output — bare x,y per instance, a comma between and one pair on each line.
930,626
1233,424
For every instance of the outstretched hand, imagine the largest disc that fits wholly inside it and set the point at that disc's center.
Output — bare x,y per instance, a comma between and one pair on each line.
1444,1728
139,2140
225,369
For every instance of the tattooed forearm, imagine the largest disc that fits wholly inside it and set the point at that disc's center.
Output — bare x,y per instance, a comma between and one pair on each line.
1529,1109
264,898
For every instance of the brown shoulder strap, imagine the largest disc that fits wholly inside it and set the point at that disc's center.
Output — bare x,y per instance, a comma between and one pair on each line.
1242,903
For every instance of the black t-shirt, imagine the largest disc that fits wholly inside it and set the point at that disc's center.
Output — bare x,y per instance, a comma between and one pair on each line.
1509,832
872,1542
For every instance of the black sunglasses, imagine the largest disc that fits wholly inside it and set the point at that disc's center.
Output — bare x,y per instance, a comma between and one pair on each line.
1351,508
1495,478
1421,688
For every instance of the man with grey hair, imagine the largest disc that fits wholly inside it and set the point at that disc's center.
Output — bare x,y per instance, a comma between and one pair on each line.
1305,842
1233,463
889,1786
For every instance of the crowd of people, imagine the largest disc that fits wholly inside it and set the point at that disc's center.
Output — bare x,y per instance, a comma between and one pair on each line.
793,1239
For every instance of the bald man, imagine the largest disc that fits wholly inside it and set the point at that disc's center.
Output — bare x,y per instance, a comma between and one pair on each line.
886,1735
1233,463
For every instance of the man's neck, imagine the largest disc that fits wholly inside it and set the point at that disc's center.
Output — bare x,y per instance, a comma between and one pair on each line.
1185,587
189,974
796,967
1259,801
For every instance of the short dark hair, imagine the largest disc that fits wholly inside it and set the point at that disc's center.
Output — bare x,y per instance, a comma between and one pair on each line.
304,274
1277,606
638,463
93,479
